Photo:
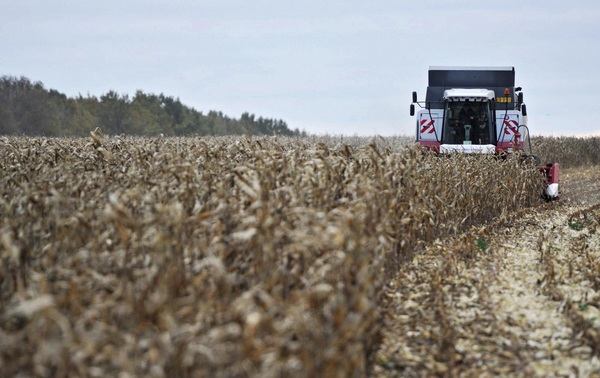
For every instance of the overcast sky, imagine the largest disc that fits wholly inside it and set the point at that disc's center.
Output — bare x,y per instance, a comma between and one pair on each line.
337,67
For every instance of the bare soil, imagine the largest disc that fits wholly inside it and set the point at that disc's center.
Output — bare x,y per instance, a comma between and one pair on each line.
518,297
581,186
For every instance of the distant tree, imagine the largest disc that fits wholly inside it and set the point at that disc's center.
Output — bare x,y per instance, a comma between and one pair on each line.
114,113
173,107
27,107
148,117
80,120
8,124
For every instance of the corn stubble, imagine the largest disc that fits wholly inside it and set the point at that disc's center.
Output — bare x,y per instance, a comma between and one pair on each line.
571,272
221,256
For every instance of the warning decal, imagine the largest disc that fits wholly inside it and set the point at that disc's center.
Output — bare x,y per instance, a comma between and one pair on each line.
427,126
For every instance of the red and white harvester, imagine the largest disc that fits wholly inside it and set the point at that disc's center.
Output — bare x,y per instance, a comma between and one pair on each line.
476,110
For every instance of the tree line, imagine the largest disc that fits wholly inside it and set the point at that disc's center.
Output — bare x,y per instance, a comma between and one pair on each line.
28,108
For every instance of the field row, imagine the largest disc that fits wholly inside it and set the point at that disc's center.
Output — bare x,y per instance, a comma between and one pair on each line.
220,256
518,297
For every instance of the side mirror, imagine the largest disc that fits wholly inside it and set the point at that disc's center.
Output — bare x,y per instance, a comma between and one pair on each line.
412,109
520,98
414,99
524,109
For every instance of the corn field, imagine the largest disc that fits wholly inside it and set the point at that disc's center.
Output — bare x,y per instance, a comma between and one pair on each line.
222,256
567,151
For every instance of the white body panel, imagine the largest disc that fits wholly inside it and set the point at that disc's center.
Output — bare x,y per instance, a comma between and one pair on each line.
427,130
552,190
507,124
474,94
468,148
428,127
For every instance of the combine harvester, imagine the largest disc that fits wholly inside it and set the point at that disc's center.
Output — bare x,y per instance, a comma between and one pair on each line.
476,110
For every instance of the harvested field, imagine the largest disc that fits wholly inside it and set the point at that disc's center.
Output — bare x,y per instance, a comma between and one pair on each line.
526,305
262,257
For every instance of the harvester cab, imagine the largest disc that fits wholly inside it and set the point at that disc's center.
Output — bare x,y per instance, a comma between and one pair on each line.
468,116
476,110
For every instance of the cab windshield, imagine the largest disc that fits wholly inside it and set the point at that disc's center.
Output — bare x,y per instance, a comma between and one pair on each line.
468,122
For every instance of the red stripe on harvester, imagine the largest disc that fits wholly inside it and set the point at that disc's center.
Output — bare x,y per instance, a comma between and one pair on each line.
512,126
427,126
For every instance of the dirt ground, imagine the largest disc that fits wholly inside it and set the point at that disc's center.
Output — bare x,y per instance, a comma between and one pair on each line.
581,186
519,297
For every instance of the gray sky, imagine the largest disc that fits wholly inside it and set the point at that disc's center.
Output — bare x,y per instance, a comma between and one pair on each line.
337,67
